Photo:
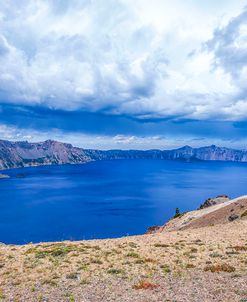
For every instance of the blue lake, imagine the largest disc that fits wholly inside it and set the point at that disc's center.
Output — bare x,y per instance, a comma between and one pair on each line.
107,199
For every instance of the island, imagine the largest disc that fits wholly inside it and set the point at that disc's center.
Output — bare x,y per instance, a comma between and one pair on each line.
4,176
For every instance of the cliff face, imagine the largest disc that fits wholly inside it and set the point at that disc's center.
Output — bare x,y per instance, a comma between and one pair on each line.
208,153
217,153
22,154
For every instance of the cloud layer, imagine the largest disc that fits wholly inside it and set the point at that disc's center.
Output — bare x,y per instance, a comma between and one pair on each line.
106,142
142,59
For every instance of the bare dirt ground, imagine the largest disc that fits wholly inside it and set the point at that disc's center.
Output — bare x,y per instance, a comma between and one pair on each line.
199,264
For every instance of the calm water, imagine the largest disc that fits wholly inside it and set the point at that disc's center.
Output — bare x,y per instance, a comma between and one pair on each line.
108,198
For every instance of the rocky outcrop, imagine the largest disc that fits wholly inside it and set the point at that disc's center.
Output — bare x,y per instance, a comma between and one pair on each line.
220,213
213,201
22,154
208,153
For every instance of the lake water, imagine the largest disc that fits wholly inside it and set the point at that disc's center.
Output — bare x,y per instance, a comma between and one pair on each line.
107,199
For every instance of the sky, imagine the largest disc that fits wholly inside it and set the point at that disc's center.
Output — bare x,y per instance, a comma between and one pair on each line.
124,74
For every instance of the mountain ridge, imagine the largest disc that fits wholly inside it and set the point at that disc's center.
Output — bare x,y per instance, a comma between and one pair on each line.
25,154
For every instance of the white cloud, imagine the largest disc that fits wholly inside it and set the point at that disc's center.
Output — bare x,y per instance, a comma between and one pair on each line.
125,57
124,142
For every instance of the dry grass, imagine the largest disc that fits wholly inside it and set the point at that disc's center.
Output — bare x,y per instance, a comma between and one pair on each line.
244,214
145,285
162,263
216,268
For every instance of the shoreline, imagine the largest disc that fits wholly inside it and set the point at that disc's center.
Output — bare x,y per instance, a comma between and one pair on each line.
181,223
25,154
120,159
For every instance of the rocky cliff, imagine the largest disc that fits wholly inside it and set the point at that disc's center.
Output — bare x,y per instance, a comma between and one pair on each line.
22,154
208,153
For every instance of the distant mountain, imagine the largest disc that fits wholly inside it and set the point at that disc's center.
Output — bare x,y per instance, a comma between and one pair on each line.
25,154
22,154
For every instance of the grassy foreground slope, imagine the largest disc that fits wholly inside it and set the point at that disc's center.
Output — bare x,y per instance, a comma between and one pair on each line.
206,263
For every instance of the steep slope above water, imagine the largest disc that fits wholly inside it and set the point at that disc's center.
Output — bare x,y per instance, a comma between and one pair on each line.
25,154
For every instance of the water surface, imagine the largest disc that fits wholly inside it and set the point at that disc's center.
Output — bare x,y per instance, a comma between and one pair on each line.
108,198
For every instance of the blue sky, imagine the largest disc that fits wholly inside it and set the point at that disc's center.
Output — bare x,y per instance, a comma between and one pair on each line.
123,73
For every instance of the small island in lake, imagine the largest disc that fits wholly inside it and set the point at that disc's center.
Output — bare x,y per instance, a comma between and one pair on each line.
4,176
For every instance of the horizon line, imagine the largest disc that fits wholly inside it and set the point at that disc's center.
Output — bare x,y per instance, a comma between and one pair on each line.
158,149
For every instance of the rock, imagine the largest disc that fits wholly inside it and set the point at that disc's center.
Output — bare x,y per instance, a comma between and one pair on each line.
233,217
152,229
213,201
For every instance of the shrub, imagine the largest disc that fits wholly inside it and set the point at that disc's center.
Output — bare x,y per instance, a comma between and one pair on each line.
145,285
240,248
150,260
60,252
96,261
114,271
49,282
177,213
190,265
244,214
166,269
55,252
139,261
133,255
71,298
133,245
216,268
72,276
215,255
2,296
161,245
